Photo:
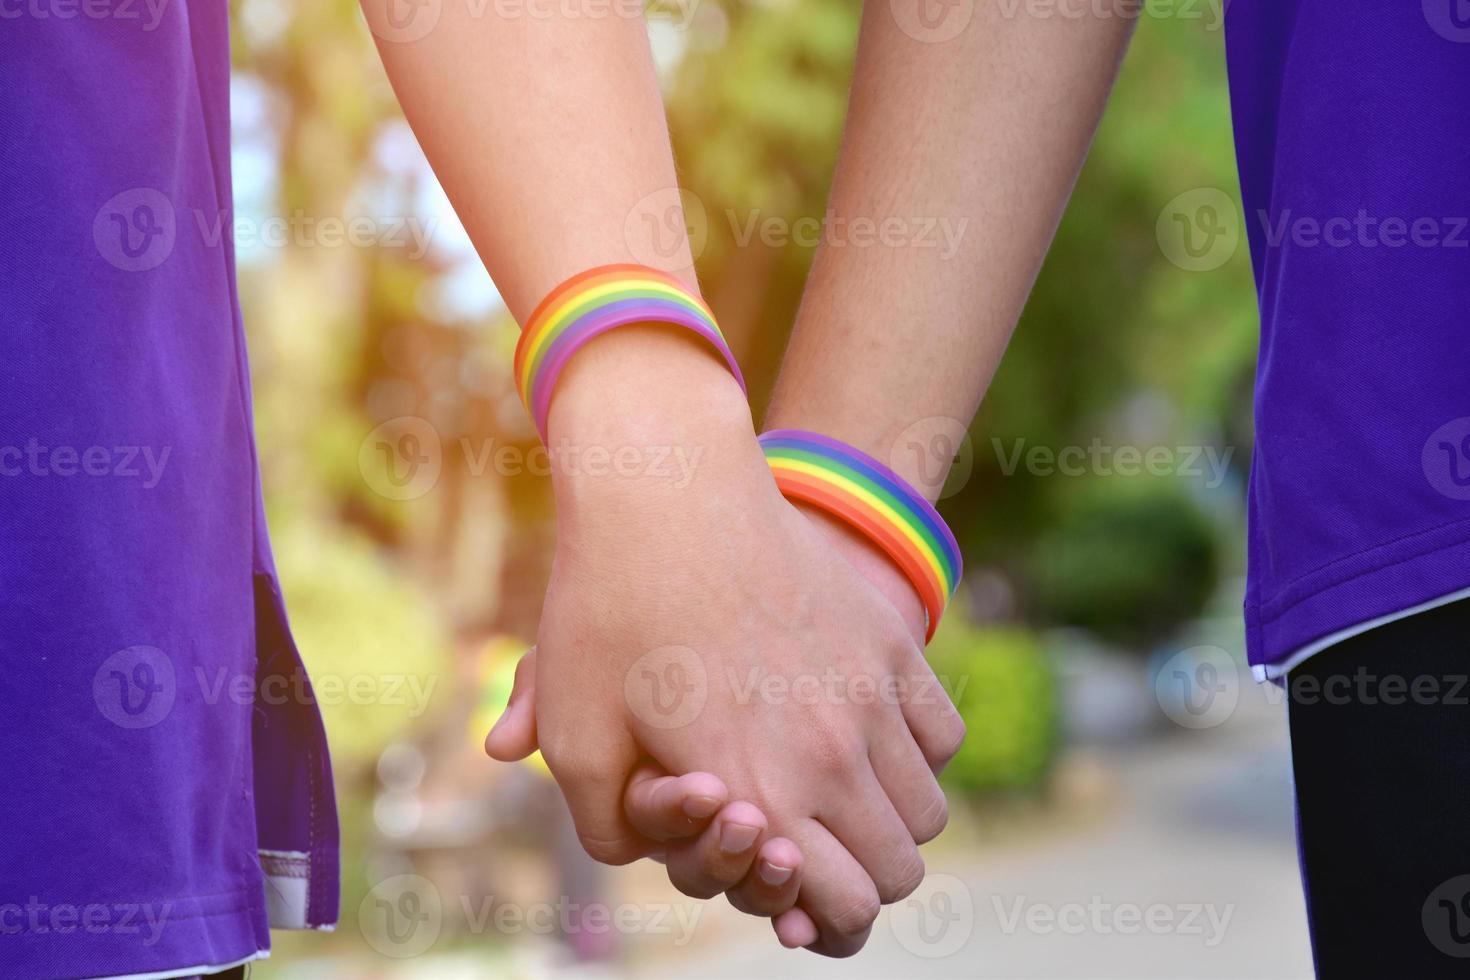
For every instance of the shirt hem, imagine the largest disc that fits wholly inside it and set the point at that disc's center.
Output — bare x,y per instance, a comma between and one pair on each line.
1378,596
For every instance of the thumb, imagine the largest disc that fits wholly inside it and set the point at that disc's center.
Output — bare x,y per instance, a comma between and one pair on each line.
514,735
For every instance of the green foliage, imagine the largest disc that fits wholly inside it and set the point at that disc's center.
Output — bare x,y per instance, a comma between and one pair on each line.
372,642
1129,559
1005,692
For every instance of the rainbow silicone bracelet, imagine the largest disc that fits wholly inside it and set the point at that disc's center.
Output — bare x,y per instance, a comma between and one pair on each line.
863,492
592,303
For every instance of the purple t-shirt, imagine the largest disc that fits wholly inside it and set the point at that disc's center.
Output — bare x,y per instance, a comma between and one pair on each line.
1353,139
153,815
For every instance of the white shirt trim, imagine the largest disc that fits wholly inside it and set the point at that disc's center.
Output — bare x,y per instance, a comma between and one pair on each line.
1277,671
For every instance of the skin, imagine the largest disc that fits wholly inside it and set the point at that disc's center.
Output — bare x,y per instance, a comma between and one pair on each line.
894,346
538,214
642,565
889,341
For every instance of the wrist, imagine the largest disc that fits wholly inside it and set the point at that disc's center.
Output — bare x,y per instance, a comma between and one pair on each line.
872,564
921,452
646,409
860,490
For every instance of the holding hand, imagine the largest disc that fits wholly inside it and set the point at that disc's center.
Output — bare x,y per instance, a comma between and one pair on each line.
725,580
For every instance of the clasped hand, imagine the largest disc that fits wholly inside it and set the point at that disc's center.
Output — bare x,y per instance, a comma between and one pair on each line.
722,679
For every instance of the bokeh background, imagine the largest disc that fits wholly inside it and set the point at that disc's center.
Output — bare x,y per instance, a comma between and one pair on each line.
1122,806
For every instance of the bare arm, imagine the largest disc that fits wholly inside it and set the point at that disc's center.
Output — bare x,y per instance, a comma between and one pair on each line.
546,132
974,144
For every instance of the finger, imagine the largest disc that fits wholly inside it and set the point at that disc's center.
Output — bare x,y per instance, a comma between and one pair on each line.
865,822
771,886
722,855
664,807
513,735
795,929
908,782
932,717
836,893
592,761
592,783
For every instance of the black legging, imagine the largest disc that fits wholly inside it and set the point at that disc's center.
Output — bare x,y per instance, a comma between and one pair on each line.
1380,736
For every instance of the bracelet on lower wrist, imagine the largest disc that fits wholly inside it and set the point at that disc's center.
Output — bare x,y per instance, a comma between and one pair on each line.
851,485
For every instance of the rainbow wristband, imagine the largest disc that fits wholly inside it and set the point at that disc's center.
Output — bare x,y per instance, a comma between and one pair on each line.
863,492
593,303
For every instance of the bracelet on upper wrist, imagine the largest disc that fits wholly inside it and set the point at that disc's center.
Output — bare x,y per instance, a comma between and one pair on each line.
592,303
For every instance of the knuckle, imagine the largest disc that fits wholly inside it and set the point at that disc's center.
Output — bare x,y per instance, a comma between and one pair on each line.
695,888
903,878
618,850
951,737
742,902
856,917
695,882
932,820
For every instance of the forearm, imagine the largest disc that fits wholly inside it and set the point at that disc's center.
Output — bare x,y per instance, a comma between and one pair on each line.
547,132
549,137
973,146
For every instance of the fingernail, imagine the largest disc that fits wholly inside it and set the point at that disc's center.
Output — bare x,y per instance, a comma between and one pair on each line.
737,837
774,875
699,807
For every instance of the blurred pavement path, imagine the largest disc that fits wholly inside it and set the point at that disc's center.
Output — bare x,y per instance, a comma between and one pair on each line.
1190,873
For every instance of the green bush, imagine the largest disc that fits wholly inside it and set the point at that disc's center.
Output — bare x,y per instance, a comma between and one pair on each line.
1004,689
1129,559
